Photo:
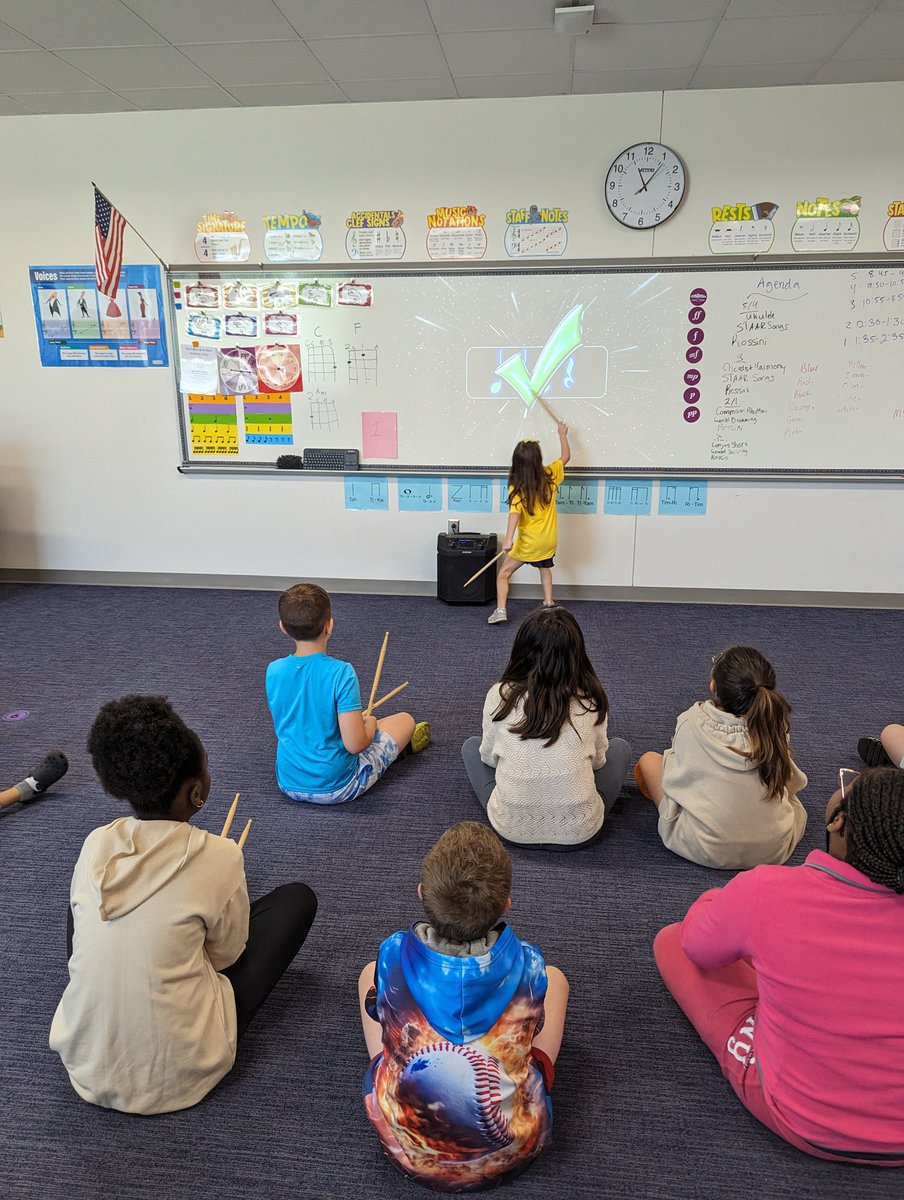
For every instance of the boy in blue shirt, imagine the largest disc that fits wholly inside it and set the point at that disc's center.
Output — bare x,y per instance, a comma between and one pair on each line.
328,751
463,1023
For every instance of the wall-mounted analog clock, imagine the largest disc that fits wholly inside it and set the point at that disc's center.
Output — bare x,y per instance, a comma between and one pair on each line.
645,185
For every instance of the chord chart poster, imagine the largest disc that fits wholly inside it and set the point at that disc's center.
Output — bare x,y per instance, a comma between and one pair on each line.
697,371
78,326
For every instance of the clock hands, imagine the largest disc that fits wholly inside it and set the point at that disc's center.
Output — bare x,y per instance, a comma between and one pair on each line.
643,186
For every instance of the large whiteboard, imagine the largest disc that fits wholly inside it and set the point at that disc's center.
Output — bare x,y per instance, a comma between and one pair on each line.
722,369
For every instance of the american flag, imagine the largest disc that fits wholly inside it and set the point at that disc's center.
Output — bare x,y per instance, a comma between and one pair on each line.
109,226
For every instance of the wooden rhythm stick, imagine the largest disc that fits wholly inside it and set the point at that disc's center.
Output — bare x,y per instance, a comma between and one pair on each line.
376,683
227,824
548,409
485,567
389,695
244,834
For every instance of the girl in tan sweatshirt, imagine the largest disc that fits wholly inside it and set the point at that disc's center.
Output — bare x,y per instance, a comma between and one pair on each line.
727,787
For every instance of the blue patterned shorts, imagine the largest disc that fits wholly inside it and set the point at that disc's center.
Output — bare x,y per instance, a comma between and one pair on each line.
372,763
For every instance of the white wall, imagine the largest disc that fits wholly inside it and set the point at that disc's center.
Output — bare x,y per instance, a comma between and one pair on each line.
88,478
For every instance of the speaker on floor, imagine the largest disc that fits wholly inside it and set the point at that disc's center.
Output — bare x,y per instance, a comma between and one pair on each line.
458,556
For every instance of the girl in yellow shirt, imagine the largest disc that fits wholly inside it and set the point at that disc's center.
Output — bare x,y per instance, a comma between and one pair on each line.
532,517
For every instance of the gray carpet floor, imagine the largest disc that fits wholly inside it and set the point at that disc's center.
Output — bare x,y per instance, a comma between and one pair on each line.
641,1110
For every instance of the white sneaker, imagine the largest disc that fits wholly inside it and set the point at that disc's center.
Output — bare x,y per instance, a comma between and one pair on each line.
498,617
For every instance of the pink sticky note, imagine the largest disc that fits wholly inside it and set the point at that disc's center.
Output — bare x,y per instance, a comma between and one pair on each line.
380,435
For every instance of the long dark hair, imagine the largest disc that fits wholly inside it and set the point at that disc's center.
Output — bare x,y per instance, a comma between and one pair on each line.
745,687
548,669
874,825
528,478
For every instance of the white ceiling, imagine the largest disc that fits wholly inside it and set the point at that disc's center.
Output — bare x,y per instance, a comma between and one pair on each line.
82,56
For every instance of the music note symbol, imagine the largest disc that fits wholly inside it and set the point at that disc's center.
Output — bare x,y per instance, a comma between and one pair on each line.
569,373
496,385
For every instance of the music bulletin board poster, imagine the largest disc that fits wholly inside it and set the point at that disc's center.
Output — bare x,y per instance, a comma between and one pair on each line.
78,326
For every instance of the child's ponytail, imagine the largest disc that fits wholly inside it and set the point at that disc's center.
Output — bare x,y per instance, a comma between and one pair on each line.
768,724
745,686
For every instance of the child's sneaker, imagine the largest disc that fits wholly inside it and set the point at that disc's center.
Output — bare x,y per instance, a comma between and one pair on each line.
420,739
873,753
498,617
51,768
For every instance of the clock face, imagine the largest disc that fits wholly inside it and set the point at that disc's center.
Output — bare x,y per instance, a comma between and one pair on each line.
645,185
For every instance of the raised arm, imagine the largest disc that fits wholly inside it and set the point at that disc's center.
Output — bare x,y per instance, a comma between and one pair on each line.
563,444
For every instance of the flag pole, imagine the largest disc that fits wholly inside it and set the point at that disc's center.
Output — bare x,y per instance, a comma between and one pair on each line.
159,258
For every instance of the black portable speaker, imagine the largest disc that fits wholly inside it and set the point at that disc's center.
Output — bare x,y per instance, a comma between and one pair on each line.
458,556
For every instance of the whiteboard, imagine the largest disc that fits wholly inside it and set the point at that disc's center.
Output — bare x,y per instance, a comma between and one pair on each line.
713,369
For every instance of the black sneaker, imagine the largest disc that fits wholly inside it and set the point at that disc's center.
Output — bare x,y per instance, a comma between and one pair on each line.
873,753
53,766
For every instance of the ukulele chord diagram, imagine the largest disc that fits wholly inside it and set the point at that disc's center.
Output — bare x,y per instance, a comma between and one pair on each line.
322,410
362,364
321,361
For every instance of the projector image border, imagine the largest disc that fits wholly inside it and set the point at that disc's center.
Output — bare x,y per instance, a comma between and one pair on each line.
575,19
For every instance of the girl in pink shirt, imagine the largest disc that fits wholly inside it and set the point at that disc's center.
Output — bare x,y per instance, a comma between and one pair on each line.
793,977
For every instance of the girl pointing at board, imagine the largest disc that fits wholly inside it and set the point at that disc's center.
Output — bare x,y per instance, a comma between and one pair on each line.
532,532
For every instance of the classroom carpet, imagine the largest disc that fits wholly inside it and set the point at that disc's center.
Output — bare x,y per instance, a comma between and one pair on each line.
641,1109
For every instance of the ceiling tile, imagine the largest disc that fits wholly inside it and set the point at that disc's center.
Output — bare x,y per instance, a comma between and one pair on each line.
642,47
11,40
778,40
598,82
768,75
78,102
214,20
637,12
356,18
157,99
14,108
136,66
73,23
884,70
406,56
509,52
469,16
880,36
247,63
484,86
40,71
364,90
795,8
266,94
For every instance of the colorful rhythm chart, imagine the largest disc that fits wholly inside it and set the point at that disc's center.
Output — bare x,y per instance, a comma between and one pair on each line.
268,419
214,424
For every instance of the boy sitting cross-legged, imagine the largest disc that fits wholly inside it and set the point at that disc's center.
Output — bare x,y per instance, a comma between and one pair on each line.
463,1023
328,751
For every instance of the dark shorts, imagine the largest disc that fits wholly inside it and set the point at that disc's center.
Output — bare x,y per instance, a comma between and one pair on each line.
543,562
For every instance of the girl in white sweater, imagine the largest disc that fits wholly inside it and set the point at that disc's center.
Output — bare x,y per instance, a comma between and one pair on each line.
727,787
545,769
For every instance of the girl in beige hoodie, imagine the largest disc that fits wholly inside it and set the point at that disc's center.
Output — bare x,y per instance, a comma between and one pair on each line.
727,787
168,961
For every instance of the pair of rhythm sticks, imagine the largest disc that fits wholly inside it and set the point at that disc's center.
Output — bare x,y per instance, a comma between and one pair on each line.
227,824
372,704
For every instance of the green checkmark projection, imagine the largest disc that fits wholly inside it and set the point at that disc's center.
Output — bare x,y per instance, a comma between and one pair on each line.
564,340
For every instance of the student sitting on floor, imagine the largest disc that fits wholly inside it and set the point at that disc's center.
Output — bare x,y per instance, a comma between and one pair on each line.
727,788
453,1009
793,977
168,963
545,769
328,751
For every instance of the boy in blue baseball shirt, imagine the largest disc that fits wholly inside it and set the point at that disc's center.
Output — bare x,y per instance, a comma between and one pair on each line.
328,751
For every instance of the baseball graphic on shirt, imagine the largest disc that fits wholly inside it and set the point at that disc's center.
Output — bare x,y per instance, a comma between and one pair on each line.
468,1096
